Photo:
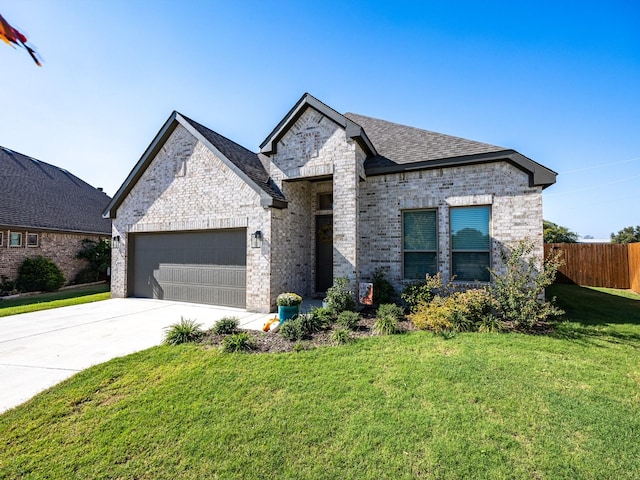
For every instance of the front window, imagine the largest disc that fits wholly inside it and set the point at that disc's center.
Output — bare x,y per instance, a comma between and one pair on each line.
419,243
15,239
470,243
32,240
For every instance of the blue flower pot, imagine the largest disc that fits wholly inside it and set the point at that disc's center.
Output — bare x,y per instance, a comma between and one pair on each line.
287,313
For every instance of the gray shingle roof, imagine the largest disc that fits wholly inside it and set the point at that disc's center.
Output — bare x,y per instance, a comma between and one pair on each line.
402,144
246,160
34,194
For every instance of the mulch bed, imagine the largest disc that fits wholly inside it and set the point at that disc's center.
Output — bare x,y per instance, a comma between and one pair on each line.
275,343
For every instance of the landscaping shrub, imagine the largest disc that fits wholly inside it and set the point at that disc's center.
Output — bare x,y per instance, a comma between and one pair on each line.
323,315
383,291
339,298
226,326
423,292
386,326
390,310
6,286
310,323
292,329
348,319
465,311
238,342
519,291
342,336
288,299
39,274
184,331
98,254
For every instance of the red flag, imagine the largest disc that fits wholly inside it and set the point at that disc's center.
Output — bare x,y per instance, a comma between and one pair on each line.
11,36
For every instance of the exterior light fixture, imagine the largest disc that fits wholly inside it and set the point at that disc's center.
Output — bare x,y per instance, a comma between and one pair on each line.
256,239
115,242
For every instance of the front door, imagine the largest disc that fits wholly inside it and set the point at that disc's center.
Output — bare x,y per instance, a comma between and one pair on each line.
324,252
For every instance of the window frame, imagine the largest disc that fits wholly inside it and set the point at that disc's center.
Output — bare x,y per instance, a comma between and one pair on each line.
325,194
488,251
19,234
404,251
1,238
29,244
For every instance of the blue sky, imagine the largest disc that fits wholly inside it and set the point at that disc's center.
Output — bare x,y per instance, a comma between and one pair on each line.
557,81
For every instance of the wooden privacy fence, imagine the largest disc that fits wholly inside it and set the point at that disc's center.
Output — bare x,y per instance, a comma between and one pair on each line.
598,264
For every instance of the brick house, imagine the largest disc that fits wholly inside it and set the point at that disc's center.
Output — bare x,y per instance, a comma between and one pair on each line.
202,219
45,210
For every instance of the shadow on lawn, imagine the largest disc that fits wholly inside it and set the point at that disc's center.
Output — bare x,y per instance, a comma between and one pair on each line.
595,315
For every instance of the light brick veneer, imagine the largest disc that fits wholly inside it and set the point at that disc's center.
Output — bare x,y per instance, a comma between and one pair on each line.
186,187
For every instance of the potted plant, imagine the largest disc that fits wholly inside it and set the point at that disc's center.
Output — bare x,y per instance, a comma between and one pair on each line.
288,305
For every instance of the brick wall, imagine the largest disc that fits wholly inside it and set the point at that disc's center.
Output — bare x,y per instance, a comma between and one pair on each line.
61,248
516,211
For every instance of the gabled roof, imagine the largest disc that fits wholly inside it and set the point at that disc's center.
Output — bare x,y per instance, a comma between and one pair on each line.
242,162
36,195
352,129
401,148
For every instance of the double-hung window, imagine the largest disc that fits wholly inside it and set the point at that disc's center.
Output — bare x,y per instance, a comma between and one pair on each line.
15,239
470,243
419,243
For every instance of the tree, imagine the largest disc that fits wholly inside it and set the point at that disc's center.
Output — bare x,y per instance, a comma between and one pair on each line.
627,235
98,254
554,233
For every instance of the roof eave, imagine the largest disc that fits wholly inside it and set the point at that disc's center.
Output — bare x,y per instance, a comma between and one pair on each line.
539,175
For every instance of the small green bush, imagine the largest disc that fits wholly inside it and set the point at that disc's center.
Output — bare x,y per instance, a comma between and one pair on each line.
465,311
349,319
238,343
39,274
385,326
292,329
383,291
339,298
423,292
341,336
226,326
310,323
185,331
390,310
323,315
519,291
6,286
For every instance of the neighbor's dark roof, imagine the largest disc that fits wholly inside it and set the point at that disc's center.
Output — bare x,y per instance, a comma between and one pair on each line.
36,195
246,160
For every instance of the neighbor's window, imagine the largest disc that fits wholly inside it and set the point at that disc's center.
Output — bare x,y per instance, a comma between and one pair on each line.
15,240
470,243
1,238
419,243
325,201
32,240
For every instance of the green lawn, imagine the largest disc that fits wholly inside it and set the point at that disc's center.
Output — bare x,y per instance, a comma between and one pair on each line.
408,406
61,298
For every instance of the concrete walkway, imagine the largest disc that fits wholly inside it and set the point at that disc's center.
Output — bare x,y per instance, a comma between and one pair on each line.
40,349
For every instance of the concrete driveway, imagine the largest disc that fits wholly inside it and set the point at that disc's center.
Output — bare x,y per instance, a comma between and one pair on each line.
40,349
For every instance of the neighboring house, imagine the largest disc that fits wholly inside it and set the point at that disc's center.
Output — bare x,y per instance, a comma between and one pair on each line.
202,219
45,210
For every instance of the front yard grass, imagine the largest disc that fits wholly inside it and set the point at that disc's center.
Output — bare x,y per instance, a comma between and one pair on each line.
61,298
416,405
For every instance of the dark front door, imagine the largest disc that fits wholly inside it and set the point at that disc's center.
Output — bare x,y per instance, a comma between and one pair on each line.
324,252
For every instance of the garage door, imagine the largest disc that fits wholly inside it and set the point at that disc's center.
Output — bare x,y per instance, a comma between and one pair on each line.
198,267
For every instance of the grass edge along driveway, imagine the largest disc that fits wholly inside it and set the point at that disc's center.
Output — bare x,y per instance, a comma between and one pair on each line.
407,406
